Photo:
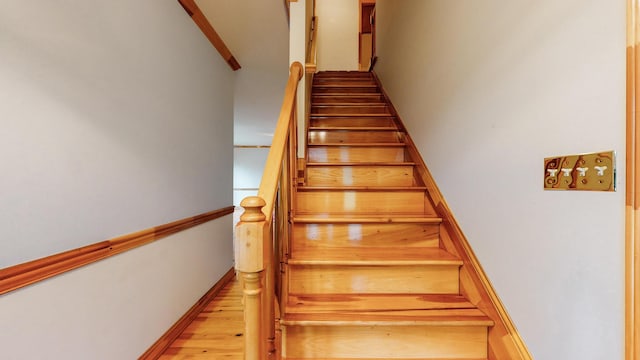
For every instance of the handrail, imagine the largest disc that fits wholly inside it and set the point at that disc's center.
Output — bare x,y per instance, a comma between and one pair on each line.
273,166
262,240
311,64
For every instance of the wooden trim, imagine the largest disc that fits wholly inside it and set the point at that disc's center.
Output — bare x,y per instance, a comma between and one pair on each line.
160,346
251,146
504,340
21,275
632,195
203,23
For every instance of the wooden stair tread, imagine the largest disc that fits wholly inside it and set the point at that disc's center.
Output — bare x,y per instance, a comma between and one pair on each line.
375,302
353,128
362,188
343,95
364,219
396,358
313,163
337,117
343,82
385,144
347,104
313,114
378,256
435,317
375,104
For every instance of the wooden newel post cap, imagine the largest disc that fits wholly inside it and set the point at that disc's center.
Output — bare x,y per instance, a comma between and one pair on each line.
252,209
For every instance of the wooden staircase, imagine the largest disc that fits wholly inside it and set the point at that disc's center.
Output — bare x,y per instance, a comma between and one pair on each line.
369,273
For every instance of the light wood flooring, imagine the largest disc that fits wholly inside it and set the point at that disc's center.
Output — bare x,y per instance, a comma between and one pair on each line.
217,333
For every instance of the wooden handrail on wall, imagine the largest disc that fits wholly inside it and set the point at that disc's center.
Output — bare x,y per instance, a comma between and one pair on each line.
311,65
261,239
21,275
198,17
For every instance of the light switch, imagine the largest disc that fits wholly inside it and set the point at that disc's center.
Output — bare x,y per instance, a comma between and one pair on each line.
594,172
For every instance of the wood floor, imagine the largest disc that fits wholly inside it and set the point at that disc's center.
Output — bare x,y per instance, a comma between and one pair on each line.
216,333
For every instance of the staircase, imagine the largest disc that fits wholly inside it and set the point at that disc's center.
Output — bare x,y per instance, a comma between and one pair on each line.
369,273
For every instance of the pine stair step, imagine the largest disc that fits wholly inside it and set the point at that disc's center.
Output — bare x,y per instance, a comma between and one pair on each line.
359,164
416,188
336,121
346,83
354,128
317,235
345,89
395,358
384,340
348,277
357,153
329,136
351,110
398,218
378,256
353,114
355,144
347,104
429,317
362,200
375,302
343,73
329,98
337,174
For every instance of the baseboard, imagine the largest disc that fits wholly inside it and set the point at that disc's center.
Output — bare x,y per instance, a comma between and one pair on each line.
161,345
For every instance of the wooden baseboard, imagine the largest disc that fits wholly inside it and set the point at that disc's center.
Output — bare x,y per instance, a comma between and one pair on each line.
161,345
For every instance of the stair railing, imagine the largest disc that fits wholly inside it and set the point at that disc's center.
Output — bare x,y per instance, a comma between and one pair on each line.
262,234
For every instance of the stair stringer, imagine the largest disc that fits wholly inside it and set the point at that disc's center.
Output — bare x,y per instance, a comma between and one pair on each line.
504,340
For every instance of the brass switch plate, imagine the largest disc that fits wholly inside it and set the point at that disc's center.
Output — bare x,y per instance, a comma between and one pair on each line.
595,172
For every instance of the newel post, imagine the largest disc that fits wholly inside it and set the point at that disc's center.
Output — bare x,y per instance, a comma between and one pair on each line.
249,262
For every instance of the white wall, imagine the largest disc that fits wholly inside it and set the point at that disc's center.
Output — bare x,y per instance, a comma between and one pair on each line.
107,127
247,171
112,122
337,34
256,33
488,90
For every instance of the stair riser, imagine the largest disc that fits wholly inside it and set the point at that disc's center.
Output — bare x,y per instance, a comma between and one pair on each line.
345,82
322,154
345,90
365,235
350,109
361,202
345,279
362,175
342,74
327,99
353,136
351,121
385,342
